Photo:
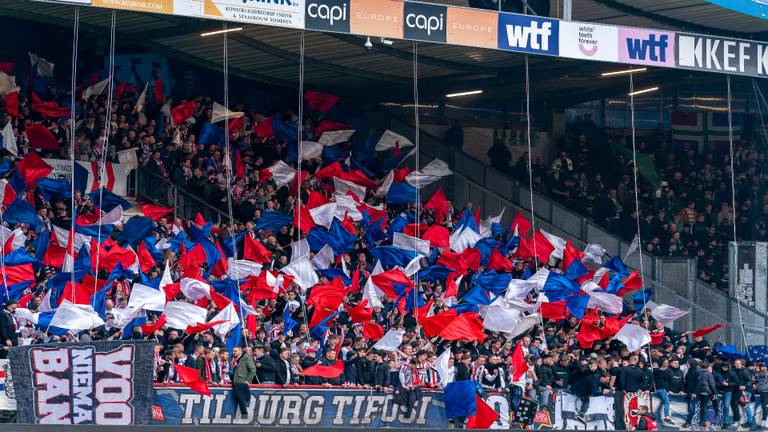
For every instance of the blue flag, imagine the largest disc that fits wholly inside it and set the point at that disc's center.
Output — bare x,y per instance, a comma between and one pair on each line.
401,193
460,399
288,322
135,230
54,189
272,220
211,135
111,200
392,256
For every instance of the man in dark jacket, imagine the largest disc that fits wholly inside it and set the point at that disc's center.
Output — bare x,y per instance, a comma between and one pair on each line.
725,380
742,386
706,392
265,365
546,376
562,371
586,383
283,367
676,377
8,335
631,378
381,372
691,379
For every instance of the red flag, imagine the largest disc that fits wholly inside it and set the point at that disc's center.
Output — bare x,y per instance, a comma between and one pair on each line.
451,288
159,90
611,326
77,293
438,236
348,224
316,199
657,338
254,251
41,138
7,67
19,273
554,310
149,329
328,126
435,324
633,282
358,177
484,417
22,303
155,212
570,254
191,378
201,327
589,332
51,110
172,290
707,330
466,327
386,281
222,266
542,247
320,101
439,204
183,111
328,172
199,219
123,87
32,168
303,219
499,262
372,331
411,229
146,261
359,313
325,371
12,104
54,255
329,295
522,224
401,173
453,261
519,365
264,128
219,300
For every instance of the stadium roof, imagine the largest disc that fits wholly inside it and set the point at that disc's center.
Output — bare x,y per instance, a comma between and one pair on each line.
338,63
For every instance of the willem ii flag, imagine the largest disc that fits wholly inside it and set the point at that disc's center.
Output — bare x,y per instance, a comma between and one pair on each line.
87,175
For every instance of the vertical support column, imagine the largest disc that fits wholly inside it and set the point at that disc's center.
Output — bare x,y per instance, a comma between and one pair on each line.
567,9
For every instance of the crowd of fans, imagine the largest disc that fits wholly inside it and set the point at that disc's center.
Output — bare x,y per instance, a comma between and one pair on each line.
686,212
676,363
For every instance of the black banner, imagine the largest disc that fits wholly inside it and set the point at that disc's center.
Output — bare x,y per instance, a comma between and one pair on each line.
103,383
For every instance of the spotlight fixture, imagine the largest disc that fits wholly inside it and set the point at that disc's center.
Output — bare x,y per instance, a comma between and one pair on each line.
464,93
622,72
220,31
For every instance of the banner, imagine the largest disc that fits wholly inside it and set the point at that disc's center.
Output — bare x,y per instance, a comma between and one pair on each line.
7,396
717,54
103,383
87,178
282,13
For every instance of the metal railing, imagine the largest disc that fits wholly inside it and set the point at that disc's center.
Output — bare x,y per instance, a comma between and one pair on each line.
673,279
162,191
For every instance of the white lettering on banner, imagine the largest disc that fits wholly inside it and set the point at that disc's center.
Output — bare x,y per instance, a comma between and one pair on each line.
82,385
330,13
589,41
722,55
531,36
423,22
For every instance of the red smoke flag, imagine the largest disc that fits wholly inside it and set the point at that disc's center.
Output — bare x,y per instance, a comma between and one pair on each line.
183,112
707,330
41,138
32,168
155,212
320,101
325,371
372,331
519,365
191,378
255,251
484,417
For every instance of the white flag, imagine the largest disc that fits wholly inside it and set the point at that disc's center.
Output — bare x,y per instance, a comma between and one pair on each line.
343,186
303,272
518,289
390,140
142,99
445,372
166,279
96,89
500,317
324,215
9,140
390,341
414,266
220,112
232,318
608,303
311,150
241,269
299,249
146,297
486,226
404,241
557,242
195,289
633,336
323,258
593,256
633,247
7,83
665,314
128,160
463,239
526,323
431,173
44,67
179,314
334,137
383,190
75,318
282,173
371,292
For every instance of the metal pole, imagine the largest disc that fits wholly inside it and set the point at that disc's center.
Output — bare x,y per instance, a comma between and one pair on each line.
567,9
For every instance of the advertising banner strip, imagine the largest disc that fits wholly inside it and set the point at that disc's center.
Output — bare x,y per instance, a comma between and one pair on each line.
461,26
101,383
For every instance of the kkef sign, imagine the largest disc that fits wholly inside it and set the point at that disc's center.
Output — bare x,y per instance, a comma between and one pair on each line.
528,34
722,55
647,47
83,383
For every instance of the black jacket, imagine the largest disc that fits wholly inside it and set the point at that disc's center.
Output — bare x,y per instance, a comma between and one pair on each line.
381,375
7,329
743,378
562,373
676,380
632,379
662,378
725,380
705,383
545,375
462,373
265,371
586,383
281,371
